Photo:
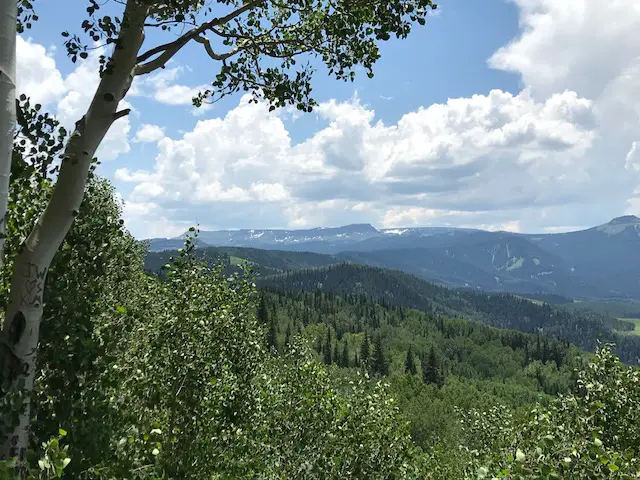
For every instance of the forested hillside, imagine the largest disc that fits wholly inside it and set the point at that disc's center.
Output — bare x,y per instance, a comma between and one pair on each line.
449,362
582,328
262,262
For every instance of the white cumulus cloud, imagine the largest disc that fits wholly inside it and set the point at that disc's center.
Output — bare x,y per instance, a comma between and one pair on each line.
67,97
149,133
37,74
470,155
561,153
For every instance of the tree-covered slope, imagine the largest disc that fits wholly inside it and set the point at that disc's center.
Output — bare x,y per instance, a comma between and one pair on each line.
449,362
584,329
261,261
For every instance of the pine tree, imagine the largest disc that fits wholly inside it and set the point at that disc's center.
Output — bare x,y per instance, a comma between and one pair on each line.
545,350
287,335
344,360
365,349
379,363
263,314
272,334
431,372
409,364
336,353
327,348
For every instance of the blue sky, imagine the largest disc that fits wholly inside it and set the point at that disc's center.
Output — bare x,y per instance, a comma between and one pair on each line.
521,115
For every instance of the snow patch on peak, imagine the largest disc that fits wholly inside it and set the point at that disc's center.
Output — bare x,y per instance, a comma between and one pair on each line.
395,231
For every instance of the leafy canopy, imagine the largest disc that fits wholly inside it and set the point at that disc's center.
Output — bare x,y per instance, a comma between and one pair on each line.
257,43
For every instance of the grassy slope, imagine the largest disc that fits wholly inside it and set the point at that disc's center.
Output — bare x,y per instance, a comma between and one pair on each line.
636,325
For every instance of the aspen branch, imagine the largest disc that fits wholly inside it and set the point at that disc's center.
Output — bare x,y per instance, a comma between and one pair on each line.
162,60
121,113
168,22
168,50
216,56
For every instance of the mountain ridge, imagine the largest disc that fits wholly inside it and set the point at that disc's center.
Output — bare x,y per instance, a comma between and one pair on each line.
597,262
624,220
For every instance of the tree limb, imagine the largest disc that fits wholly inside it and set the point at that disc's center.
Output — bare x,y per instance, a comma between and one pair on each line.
216,56
168,22
170,49
121,113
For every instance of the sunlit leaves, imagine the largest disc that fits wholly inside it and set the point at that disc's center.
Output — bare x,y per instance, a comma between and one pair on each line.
590,434
342,35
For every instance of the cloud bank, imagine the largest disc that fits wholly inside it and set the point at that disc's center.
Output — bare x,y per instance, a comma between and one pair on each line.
562,153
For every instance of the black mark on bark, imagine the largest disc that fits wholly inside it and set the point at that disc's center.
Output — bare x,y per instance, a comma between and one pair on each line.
17,327
34,286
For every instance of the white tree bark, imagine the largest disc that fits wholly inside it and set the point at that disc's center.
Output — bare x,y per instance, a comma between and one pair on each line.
24,311
8,14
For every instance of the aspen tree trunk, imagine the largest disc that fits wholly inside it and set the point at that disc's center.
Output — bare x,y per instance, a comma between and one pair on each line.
24,311
8,14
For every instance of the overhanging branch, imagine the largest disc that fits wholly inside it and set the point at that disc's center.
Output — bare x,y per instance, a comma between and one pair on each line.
168,50
216,56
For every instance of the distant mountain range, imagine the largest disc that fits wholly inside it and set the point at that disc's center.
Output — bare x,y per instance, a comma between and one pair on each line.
600,262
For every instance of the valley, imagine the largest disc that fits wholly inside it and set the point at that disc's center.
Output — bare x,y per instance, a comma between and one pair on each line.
553,315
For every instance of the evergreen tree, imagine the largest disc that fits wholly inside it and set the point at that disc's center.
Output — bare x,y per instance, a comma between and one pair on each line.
365,349
327,348
287,335
379,363
336,353
272,334
410,364
263,314
431,372
344,360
